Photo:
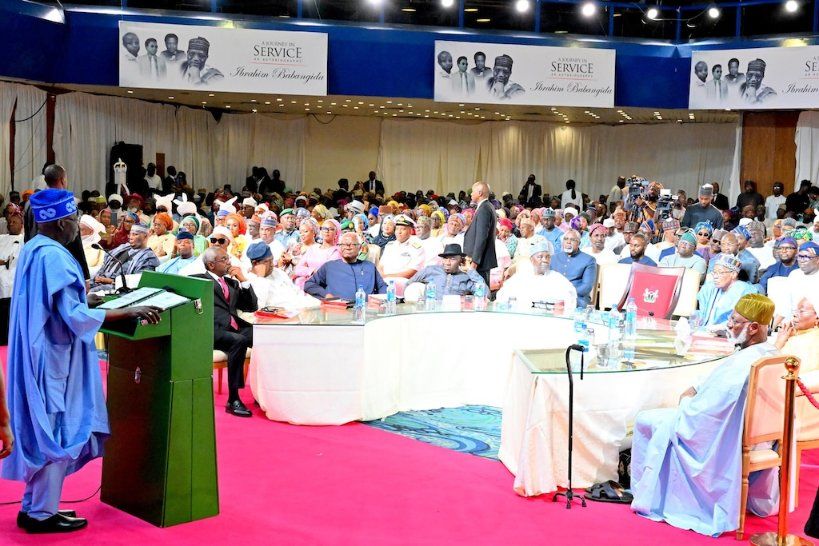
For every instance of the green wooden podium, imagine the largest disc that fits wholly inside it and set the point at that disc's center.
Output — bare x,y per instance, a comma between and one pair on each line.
160,461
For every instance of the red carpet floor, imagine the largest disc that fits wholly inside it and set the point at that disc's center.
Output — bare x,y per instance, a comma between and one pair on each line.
354,484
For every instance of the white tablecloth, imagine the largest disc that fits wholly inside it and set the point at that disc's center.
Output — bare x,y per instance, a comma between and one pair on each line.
534,431
333,374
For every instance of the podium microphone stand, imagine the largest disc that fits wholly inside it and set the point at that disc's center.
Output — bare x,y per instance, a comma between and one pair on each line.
569,493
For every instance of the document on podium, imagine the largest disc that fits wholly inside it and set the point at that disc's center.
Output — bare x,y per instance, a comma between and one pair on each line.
156,297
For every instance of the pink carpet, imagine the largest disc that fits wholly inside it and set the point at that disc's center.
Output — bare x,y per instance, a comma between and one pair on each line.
283,484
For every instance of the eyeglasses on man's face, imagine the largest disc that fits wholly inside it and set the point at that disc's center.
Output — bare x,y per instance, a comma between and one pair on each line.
219,240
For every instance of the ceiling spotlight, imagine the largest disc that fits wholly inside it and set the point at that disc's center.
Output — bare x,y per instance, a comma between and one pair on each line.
588,9
447,3
713,12
522,6
791,6
375,3
652,13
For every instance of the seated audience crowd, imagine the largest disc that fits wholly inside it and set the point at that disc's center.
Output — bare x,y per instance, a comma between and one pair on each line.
268,246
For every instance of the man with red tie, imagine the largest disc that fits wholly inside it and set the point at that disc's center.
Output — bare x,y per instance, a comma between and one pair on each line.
231,334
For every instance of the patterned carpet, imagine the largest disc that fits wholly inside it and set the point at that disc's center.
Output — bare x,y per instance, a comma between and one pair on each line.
468,429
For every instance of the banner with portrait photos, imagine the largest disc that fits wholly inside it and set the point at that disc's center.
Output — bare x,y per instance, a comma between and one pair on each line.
755,79
520,74
158,56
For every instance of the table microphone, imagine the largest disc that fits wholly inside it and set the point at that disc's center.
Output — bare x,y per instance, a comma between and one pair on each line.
97,246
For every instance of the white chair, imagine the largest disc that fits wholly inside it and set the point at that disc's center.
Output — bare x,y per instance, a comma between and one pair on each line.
613,280
414,292
779,292
687,303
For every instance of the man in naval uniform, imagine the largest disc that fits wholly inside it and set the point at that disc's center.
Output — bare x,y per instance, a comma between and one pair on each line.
403,257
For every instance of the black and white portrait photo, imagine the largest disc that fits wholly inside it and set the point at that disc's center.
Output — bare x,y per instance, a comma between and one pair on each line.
725,85
500,85
753,91
195,70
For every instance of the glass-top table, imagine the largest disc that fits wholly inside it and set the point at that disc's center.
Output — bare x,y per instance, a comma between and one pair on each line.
652,349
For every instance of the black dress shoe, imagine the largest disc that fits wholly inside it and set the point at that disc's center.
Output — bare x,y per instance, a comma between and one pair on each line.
22,517
238,409
57,523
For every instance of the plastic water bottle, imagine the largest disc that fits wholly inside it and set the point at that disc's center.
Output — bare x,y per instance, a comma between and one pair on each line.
360,308
431,297
480,296
585,339
614,325
391,306
579,323
631,319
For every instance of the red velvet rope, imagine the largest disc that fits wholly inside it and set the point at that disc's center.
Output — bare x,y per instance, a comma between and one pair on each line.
807,393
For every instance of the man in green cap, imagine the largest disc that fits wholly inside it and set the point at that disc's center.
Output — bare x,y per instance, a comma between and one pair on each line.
685,256
686,466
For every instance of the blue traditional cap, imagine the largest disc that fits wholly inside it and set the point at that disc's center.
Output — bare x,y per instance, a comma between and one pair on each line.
269,221
742,231
541,246
704,225
183,235
374,211
549,213
139,227
810,247
52,204
258,251
302,212
222,213
729,261
785,241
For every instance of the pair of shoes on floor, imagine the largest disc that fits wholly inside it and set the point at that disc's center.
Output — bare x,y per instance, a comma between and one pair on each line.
238,409
64,521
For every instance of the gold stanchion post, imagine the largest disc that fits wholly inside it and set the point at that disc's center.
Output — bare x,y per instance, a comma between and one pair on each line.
781,536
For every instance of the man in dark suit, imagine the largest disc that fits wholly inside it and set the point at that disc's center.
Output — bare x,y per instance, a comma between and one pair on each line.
529,192
720,200
371,184
231,334
479,239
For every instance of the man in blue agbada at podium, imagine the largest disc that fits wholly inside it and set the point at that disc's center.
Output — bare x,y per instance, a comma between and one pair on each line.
55,397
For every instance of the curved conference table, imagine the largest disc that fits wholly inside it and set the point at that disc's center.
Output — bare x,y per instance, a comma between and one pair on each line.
318,368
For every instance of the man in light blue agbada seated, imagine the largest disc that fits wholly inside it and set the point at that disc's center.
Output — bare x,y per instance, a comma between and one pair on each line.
718,296
55,397
686,466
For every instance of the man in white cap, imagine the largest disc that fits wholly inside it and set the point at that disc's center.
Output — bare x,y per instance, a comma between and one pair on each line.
539,283
127,259
184,207
705,211
614,238
249,207
404,256
353,207
115,205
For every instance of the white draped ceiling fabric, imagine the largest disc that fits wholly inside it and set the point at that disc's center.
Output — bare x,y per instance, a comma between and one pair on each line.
807,148
448,157
210,153
30,134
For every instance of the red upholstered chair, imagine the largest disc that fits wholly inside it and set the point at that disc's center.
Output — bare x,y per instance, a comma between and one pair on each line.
655,290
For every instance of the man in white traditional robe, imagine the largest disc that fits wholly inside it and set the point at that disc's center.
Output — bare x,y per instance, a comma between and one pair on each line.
686,461
538,283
